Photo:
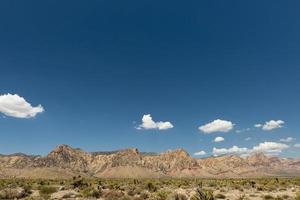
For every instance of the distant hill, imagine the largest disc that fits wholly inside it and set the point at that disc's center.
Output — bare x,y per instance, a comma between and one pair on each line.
65,162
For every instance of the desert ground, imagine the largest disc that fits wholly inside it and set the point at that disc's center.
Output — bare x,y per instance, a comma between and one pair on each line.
152,189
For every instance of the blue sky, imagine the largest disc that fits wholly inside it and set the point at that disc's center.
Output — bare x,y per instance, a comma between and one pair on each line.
97,67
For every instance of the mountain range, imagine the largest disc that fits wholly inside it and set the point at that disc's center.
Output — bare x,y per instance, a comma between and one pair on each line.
67,162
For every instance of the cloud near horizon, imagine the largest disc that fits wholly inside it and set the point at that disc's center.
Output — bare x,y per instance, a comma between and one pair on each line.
16,106
200,153
217,125
287,140
148,123
272,148
297,145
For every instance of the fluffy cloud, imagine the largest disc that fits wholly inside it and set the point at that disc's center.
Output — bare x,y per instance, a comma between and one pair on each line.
219,139
265,147
270,125
16,106
200,153
288,139
248,138
270,147
297,145
217,125
148,123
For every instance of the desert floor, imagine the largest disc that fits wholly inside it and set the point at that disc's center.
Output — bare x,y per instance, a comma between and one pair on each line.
156,189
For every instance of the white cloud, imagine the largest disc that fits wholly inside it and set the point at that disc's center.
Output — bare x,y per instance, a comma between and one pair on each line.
288,139
270,147
270,125
219,139
248,138
200,153
16,106
232,150
258,125
265,147
217,126
148,123
297,145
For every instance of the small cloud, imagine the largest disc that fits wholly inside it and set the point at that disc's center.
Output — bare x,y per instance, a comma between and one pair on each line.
297,145
16,106
288,139
217,126
219,139
272,124
258,125
243,130
200,153
148,123
248,138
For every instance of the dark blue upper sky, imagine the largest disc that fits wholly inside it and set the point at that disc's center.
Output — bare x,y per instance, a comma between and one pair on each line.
98,66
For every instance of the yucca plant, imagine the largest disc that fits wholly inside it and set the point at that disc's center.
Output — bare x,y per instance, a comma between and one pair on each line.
203,195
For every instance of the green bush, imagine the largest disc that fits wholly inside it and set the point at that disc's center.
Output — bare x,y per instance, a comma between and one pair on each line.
47,189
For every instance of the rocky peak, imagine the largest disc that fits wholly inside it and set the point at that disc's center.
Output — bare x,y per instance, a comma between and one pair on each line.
66,156
131,151
130,156
177,153
258,159
63,152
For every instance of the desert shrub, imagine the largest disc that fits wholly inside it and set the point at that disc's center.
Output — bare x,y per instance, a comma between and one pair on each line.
203,195
178,197
113,195
27,188
126,198
161,195
79,183
12,193
144,195
47,189
151,187
260,188
297,195
134,191
242,197
220,196
91,192
268,197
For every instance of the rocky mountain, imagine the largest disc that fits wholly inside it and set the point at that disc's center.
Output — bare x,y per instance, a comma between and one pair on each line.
65,162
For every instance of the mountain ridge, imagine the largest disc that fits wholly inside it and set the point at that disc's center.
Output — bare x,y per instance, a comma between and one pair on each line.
65,161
